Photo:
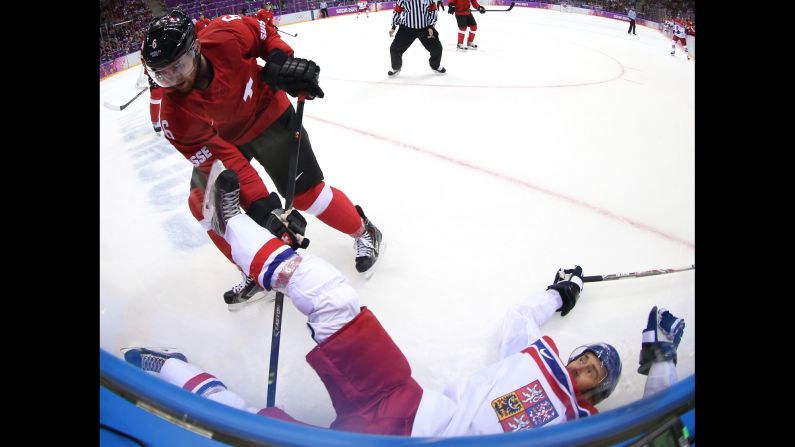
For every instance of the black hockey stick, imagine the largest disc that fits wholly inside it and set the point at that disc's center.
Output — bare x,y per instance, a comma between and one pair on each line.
636,274
497,10
292,170
285,32
124,106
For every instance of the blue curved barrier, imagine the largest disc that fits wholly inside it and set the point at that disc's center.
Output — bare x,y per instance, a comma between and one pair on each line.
227,424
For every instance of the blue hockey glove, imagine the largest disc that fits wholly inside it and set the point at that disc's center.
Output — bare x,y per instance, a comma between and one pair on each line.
660,338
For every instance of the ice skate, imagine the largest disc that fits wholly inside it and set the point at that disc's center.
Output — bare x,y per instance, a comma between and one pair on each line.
151,359
368,246
247,292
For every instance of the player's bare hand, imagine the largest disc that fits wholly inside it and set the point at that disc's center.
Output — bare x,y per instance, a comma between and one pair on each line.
391,32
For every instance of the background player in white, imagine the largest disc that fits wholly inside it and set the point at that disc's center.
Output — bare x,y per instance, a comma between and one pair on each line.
362,6
369,379
680,34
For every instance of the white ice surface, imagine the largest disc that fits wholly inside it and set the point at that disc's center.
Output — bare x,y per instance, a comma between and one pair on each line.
561,141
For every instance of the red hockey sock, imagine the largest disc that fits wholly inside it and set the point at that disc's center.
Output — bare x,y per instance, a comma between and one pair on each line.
332,207
461,32
472,30
156,95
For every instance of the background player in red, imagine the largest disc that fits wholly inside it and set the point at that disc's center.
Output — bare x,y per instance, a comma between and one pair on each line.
219,104
464,18
266,14
680,35
155,97
201,23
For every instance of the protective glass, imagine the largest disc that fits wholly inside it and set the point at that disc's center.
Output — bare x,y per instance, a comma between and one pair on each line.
175,72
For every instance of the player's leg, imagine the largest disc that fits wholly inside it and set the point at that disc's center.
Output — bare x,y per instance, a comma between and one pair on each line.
245,292
312,194
173,367
473,28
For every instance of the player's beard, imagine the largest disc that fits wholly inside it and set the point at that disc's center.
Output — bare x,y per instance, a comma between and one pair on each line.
188,82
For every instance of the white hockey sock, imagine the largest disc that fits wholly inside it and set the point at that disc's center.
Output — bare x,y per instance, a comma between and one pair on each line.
255,250
198,381
322,293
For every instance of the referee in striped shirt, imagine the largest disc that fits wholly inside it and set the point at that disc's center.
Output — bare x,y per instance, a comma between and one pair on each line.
416,19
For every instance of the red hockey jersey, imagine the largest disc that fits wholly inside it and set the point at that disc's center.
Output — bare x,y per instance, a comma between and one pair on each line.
265,16
462,6
209,124
201,24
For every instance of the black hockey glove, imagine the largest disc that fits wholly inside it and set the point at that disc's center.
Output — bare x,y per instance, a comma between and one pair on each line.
269,214
569,284
481,9
450,9
293,75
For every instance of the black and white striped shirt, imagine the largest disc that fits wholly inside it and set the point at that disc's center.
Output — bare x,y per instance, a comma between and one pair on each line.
414,14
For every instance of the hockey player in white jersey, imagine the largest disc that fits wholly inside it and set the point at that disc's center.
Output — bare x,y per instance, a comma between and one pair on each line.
362,6
680,35
369,379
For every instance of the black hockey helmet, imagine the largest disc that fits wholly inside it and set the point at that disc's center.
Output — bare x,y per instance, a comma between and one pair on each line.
167,39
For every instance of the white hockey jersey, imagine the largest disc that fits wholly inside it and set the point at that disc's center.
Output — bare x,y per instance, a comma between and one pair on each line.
528,388
679,29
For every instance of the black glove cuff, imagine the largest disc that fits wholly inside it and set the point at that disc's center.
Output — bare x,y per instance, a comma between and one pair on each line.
278,56
261,209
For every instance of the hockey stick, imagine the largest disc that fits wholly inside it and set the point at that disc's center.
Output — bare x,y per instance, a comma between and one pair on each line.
124,106
636,274
277,308
285,32
497,10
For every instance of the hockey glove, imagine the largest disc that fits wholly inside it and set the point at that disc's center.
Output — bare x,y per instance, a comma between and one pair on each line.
569,284
289,227
440,5
481,9
293,75
660,339
450,9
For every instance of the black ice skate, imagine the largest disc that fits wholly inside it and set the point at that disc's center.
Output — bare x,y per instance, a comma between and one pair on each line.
440,70
461,47
368,246
226,200
393,72
472,46
245,293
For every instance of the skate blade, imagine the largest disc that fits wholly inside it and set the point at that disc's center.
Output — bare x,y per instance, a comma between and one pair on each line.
381,250
259,296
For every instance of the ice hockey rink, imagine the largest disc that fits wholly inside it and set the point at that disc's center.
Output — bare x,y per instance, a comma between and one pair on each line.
560,141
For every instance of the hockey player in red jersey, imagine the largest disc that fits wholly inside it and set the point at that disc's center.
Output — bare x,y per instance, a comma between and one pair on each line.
680,35
369,379
219,104
464,18
155,97
201,23
266,14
